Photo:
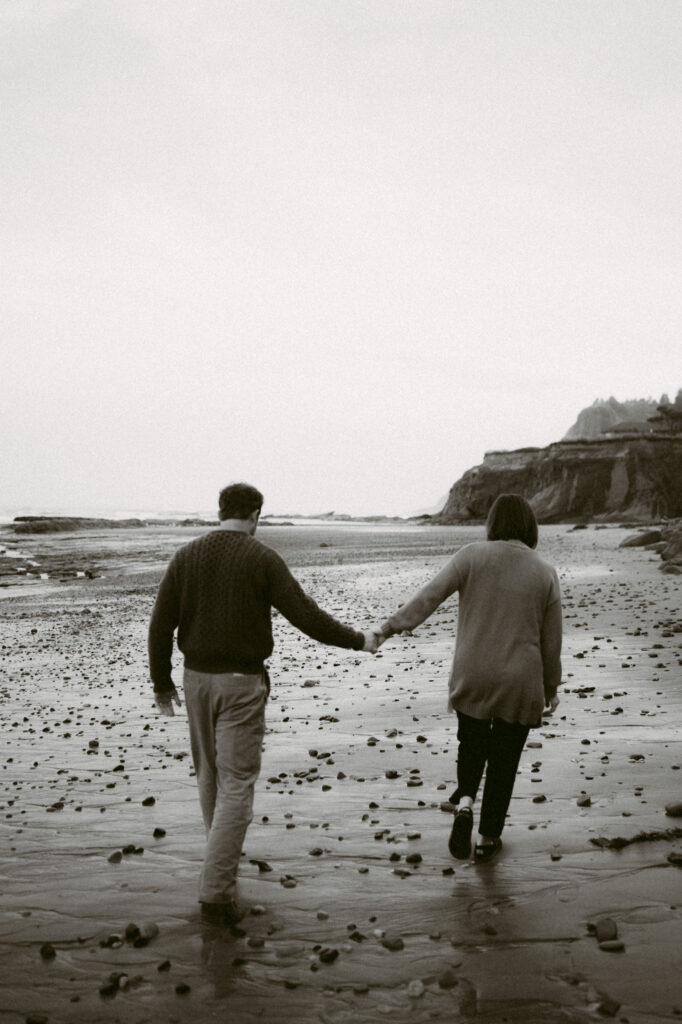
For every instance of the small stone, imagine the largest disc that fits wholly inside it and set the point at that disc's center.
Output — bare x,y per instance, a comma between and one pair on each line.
612,946
539,799
328,956
674,810
317,851
262,865
322,915
255,941
149,930
149,801
606,929
392,942
116,857
37,1018
448,979
182,989
584,801
47,951
414,858
257,909
675,858
608,1008
132,932
415,988
159,833
165,965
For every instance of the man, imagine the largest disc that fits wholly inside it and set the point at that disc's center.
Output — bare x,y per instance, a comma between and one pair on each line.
218,592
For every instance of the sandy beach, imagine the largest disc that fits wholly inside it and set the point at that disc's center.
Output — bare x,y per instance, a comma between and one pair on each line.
359,913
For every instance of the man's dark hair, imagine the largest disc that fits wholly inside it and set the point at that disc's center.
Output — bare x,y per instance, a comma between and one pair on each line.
238,501
512,518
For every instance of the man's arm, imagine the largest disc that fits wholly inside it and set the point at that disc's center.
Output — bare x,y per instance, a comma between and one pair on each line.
162,626
288,597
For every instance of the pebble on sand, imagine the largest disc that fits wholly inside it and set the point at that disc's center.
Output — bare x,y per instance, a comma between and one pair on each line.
606,929
674,810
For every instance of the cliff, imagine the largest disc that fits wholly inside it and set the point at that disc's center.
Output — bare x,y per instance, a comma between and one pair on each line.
637,478
602,416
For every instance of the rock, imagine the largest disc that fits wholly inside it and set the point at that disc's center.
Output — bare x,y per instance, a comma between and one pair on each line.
149,801
262,865
675,858
584,801
608,1007
182,989
159,833
612,946
448,979
328,956
392,942
116,857
415,988
37,1018
606,929
611,476
641,539
47,951
674,810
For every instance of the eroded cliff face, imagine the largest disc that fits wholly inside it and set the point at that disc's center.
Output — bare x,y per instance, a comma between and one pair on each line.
638,479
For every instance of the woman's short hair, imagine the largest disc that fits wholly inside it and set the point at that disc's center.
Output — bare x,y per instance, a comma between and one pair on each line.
238,501
512,518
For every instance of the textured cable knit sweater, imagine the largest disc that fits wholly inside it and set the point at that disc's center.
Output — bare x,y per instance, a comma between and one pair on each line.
218,592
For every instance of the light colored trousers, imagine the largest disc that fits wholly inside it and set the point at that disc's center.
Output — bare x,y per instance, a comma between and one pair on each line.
226,715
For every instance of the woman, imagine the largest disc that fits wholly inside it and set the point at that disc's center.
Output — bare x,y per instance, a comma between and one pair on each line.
507,663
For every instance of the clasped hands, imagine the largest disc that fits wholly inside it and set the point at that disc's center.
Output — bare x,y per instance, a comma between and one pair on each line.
374,638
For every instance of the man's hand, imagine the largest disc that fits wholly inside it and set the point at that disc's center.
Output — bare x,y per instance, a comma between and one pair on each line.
164,701
552,704
373,640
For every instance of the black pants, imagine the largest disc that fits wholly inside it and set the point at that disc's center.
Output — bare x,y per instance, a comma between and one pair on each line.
493,746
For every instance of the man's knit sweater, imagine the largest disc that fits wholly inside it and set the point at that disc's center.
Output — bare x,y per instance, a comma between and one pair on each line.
218,592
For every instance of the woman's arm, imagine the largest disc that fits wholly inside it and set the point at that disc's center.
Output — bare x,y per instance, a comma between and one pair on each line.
550,644
424,602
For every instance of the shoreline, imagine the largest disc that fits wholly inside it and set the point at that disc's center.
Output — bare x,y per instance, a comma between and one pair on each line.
506,942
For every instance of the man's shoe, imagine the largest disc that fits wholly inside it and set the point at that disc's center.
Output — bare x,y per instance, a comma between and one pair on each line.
459,843
448,807
221,914
484,852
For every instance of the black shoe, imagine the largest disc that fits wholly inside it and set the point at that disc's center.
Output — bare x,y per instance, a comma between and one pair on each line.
484,852
224,915
459,843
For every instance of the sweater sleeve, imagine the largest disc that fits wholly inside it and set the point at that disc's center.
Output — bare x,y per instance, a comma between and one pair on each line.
550,642
162,626
425,601
288,597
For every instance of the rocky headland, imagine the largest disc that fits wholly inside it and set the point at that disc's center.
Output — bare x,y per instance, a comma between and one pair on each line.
618,462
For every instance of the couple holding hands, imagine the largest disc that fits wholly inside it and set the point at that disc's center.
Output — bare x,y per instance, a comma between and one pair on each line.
218,592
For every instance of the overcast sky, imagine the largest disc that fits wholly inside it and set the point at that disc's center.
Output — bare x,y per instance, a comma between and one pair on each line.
337,248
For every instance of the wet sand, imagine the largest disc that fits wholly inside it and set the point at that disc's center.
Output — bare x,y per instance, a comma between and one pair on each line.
347,851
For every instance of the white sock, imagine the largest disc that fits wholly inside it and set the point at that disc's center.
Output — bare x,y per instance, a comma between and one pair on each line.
465,801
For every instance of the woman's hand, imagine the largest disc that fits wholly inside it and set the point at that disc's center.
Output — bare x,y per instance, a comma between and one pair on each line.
552,704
